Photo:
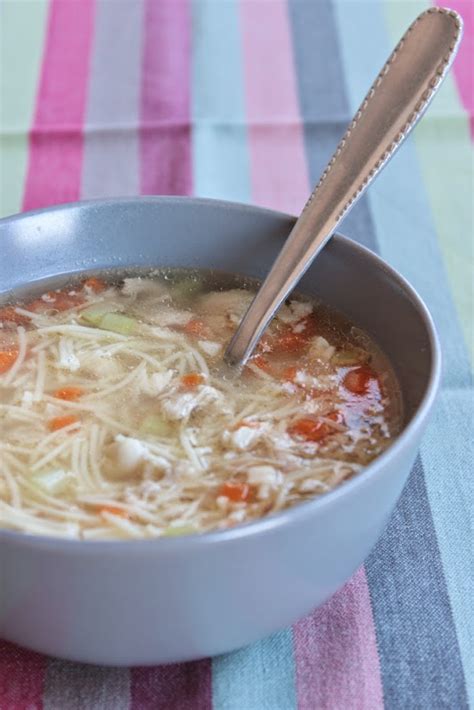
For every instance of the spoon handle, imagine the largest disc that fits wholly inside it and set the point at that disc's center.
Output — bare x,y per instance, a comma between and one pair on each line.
394,105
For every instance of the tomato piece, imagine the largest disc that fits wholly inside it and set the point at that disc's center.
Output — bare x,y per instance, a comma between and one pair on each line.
96,285
71,394
8,314
358,381
7,358
61,422
192,380
236,492
309,429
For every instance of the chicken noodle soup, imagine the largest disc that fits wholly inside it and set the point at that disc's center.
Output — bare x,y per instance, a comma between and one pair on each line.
118,420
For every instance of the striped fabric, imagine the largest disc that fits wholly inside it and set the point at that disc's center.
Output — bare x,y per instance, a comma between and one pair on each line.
246,100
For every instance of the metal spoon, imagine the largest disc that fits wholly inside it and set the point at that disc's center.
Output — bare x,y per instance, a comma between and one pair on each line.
394,105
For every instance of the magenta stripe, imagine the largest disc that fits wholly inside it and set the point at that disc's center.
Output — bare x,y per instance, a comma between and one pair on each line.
336,651
165,135
464,62
22,676
56,140
277,158
181,686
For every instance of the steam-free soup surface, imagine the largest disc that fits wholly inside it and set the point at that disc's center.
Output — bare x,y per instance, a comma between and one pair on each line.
117,422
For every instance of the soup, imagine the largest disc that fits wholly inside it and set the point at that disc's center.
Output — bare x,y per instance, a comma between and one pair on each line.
118,420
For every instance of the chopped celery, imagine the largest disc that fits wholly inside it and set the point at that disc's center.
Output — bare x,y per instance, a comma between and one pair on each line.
52,481
118,323
156,425
94,314
177,530
185,288
350,356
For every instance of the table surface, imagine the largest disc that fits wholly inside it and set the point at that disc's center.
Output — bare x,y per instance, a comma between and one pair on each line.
246,100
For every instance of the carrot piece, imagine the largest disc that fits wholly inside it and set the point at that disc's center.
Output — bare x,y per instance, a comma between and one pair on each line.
95,284
247,423
262,363
70,394
309,429
289,373
55,300
119,512
60,422
7,358
290,342
358,381
8,314
196,327
236,492
191,381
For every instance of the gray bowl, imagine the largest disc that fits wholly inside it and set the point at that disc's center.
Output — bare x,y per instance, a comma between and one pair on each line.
156,601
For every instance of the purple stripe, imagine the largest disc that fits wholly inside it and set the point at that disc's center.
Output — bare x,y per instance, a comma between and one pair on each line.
180,686
165,136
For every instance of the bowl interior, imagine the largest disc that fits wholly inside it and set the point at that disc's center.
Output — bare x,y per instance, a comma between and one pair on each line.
50,244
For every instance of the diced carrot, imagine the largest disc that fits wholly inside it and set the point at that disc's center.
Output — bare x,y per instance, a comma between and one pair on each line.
119,512
70,393
196,327
262,363
236,492
61,422
7,358
95,284
247,423
290,342
8,314
289,373
309,429
358,381
191,381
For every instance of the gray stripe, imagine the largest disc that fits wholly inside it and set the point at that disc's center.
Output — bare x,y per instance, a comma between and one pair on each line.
421,663
76,686
111,154
323,101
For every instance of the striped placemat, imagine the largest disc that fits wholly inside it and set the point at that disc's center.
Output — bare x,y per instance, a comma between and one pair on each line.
246,100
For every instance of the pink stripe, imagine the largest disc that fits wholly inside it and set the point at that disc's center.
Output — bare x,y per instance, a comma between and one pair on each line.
463,64
165,135
56,140
337,663
22,676
277,158
181,686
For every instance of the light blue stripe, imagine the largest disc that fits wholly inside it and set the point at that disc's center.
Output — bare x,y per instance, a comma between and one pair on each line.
398,200
448,454
220,146
259,677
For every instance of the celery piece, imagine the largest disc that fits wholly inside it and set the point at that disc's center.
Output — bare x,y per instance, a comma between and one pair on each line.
52,481
178,530
118,323
94,314
155,425
185,288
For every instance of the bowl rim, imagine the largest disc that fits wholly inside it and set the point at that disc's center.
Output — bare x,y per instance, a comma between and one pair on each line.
289,516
